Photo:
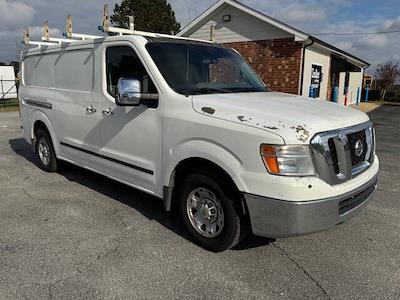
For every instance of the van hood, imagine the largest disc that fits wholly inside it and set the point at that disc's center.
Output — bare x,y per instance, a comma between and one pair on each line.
296,119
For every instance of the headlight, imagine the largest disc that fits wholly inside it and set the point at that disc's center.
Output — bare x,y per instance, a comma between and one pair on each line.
288,160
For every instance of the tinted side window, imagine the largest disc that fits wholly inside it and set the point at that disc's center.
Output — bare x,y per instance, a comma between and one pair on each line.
122,61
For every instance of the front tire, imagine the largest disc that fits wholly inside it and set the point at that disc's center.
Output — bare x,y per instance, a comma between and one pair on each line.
45,151
208,214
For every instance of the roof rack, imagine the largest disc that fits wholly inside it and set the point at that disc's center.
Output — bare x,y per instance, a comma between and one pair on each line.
69,36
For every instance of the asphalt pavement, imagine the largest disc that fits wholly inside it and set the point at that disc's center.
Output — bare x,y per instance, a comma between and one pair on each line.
78,235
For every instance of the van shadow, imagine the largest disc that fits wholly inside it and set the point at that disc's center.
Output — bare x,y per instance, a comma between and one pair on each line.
149,206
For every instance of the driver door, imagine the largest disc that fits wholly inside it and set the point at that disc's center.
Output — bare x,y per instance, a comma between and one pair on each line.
130,135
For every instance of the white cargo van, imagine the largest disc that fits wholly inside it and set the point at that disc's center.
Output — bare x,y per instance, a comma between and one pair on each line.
191,123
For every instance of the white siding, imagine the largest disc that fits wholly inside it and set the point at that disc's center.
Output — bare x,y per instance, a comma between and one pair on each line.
314,56
355,83
242,28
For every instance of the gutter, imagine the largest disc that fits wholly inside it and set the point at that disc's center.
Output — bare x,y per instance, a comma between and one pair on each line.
303,65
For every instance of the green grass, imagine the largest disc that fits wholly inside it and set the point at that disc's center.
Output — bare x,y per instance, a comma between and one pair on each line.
9,105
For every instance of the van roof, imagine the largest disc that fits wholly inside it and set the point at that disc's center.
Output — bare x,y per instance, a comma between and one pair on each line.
81,43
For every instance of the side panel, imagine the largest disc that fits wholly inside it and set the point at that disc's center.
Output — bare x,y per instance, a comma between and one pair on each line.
75,109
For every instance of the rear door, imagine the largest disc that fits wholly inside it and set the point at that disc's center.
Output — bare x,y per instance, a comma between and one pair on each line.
76,110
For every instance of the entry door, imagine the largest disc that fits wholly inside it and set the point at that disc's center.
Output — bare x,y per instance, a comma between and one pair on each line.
316,78
130,135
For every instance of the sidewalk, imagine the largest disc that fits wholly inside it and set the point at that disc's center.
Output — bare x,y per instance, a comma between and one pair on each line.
370,106
367,107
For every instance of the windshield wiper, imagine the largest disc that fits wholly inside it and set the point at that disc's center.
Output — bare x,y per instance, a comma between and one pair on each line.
205,90
248,90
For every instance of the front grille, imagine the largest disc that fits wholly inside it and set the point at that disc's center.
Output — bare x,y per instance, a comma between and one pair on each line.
356,200
332,149
342,154
355,139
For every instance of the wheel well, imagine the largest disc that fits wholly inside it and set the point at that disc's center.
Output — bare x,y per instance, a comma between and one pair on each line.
200,165
37,125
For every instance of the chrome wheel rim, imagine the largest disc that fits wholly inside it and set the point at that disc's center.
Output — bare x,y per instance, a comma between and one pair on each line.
44,151
205,212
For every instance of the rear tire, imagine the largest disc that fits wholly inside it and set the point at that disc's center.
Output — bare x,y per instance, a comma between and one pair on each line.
45,151
208,214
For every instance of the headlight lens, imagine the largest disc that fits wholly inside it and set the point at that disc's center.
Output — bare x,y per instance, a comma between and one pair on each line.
288,160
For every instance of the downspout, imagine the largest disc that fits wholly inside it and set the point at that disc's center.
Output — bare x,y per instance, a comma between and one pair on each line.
362,79
303,65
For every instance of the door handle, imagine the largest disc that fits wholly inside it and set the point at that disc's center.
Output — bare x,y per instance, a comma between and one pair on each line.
90,109
108,112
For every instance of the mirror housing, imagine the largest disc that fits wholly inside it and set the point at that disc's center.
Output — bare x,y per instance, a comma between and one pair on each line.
129,93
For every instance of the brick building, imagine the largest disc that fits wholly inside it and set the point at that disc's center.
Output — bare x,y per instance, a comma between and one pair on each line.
287,59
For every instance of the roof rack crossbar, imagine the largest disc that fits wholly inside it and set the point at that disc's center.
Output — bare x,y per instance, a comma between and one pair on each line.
57,40
82,36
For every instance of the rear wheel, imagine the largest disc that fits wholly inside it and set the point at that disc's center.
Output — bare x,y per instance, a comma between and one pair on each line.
45,151
209,215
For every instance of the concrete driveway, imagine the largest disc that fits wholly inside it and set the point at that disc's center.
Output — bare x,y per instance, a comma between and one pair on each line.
76,234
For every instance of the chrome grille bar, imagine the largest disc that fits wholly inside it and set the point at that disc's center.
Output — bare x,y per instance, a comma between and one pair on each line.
344,170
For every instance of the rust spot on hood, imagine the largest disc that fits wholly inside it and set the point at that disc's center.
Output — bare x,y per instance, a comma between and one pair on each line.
302,134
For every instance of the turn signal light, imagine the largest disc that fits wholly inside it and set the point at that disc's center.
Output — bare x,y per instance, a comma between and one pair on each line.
270,159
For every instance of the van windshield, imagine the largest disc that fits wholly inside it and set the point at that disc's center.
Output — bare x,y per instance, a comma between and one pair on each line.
195,68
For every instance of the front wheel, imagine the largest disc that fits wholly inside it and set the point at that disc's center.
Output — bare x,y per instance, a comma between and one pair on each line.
208,214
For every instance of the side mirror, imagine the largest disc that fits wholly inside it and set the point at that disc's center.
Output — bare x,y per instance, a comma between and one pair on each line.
129,93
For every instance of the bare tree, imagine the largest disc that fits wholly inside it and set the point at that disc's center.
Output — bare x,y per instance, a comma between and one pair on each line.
387,75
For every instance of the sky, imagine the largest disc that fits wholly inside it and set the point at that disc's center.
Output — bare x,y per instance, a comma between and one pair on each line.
312,16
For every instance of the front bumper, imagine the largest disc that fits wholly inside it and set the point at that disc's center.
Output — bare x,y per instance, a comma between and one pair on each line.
278,218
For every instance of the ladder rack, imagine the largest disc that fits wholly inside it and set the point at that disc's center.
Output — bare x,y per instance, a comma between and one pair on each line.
69,36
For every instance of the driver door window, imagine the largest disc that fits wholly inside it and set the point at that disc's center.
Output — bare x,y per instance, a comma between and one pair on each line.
122,61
